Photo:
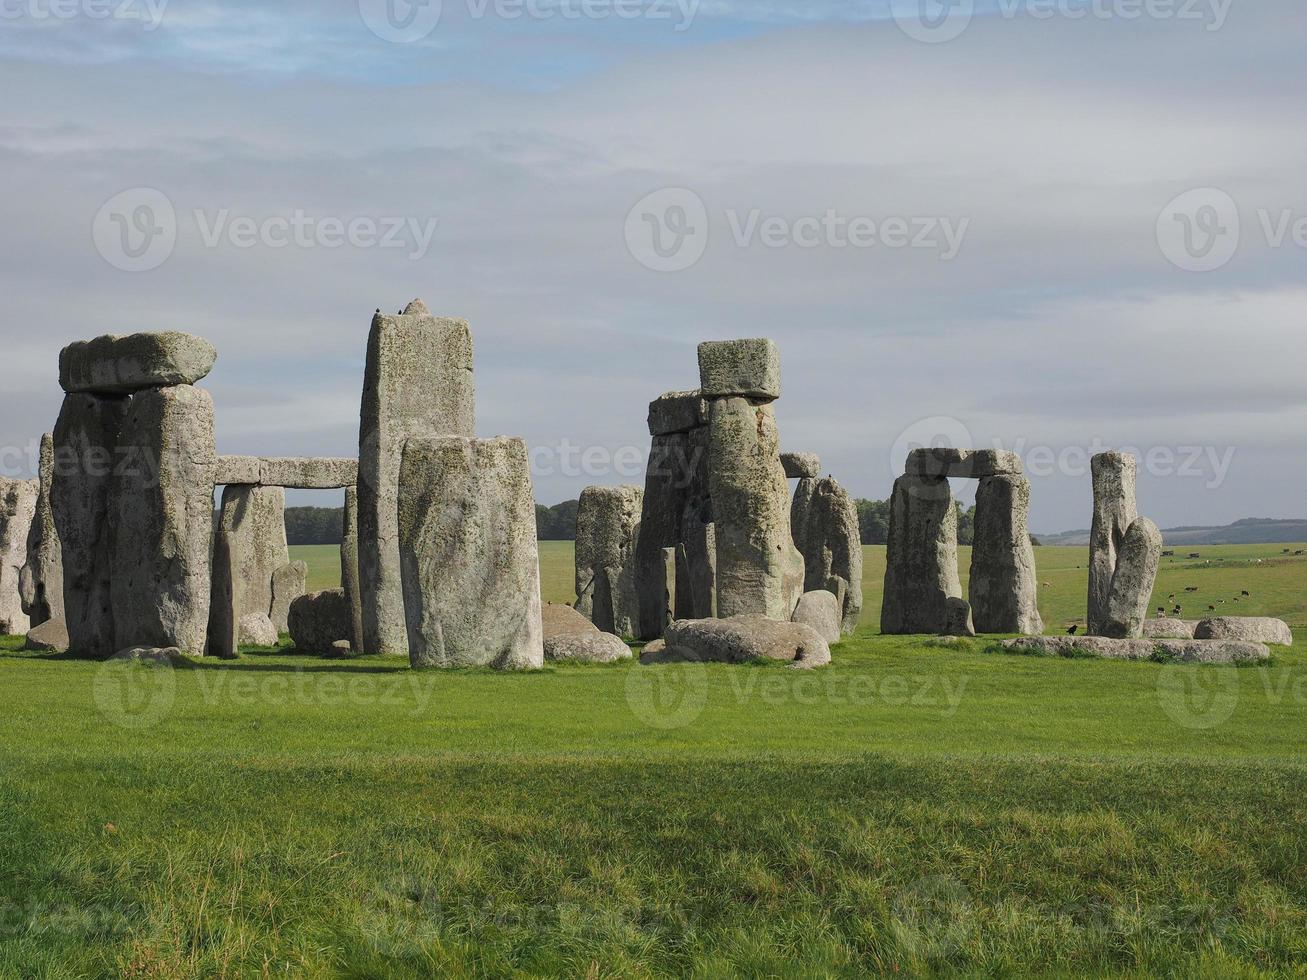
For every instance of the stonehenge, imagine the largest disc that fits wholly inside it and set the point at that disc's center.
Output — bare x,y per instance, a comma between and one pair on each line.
607,527
1002,586
1124,551
18,500
923,591
824,520
249,548
41,581
349,568
417,384
289,582
114,365
318,620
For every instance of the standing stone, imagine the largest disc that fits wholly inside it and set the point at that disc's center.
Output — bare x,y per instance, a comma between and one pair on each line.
759,570
161,515
250,546
417,384
607,527
825,524
468,553
17,508
923,592
1003,588
289,582
349,568
42,578
1137,561
85,453
318,621
1114,512
667,483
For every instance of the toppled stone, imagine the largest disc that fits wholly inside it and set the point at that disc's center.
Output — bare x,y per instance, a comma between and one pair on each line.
824,522
341,650
85,445
152,656
739,639
318,620
161,516
1170,629
921,561
607,526
1253,629
257,630
249,547
559,620
417,384
759,569
1003,586
589,648
967,464
800,466
467,544
677,411
740,369
1137,561
41,580
17,508
1114,512
1189,651
289,582
121,365
51,636
820,610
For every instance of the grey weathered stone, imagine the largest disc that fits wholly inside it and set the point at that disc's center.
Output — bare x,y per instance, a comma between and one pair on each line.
120,365
311,473
289,582
824,520
677,411
318,620
967,464
1003,587
667,486
739,639
1169,629
85,443
957,617
242,470
257,630
557,620
249,547
820,610
51,637
1137,560
590,648
1252,629
41,581
921,560
801,466
349,568
161,515
17,508
696,570
1114,512
740,368
467,542
607,528
759,570
1189,651
418,384
152,656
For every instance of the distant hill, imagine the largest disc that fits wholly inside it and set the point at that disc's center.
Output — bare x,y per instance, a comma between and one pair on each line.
1250,530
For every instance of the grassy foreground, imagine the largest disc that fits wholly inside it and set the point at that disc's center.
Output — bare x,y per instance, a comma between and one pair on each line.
918,808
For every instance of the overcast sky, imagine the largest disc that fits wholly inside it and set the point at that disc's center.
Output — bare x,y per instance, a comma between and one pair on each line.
969,229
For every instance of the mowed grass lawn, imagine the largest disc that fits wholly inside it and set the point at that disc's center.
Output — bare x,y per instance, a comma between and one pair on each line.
917,808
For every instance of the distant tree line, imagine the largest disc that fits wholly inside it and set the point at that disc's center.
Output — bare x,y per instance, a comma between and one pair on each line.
873,522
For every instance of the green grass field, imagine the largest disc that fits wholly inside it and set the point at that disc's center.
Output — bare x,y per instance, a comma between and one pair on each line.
917,808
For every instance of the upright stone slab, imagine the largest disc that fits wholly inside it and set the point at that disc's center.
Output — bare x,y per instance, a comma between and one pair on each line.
667,483
349,568
289,582
1114,512
17,508
249,548
467,542
161,516
759,570
923,593
1003,586
41,581
607,527
85,453
418,384
824,520
1137,562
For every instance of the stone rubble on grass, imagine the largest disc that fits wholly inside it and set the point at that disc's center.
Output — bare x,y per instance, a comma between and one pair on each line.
740,639
1190,651
1170,629
51,637
257,630
1253,629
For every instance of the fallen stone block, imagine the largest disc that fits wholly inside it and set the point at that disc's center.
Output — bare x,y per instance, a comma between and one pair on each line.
556,620
1189,651
121,365
318,620
820,610
677,411
589,648
740,369
966,464
740,639
257,630
51,637
1170,629
1253,629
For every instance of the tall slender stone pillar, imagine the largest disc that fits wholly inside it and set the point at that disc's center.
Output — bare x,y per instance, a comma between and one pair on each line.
249,548
1003,587
825,523
17,508
607,529
1114,511
349,568
41,580
923,592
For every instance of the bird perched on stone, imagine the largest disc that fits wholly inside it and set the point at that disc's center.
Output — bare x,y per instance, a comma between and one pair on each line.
1072,630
